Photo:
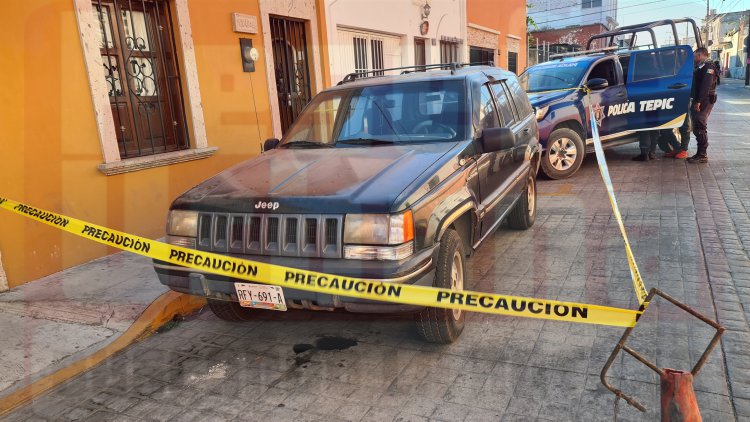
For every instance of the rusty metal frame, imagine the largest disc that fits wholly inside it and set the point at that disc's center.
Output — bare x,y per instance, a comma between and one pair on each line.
621,346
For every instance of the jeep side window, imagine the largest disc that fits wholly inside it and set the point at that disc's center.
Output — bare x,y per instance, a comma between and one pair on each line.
503,105
605,70
487,112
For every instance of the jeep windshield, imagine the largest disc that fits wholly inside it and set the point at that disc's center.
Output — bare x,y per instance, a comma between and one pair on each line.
404,112
553,75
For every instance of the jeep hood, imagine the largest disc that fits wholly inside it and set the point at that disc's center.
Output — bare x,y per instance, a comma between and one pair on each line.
324,180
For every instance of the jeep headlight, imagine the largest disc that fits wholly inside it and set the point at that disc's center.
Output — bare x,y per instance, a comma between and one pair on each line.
541,113
182,223
379,236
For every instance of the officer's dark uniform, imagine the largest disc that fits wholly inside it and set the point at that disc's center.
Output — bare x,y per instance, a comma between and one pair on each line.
704,93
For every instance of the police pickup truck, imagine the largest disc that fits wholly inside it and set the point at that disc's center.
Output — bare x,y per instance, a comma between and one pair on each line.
631,89
392,178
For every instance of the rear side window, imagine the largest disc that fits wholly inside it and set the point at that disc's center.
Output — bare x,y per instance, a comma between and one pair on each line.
657,64
503,104
519,98
487,113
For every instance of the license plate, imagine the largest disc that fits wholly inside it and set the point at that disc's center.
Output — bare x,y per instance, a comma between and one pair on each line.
260,296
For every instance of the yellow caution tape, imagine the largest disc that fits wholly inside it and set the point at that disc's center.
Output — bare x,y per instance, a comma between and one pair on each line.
313,281
640,288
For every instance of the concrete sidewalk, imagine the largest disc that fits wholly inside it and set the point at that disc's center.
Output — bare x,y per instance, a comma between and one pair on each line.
54,321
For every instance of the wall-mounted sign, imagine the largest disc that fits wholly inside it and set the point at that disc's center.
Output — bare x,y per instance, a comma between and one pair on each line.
247,24
424,28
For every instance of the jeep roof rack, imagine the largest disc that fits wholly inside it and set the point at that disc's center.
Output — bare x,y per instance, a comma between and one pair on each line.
584,52
647,27
351,77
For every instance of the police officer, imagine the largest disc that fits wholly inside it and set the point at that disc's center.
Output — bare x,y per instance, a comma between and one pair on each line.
647,141
704,97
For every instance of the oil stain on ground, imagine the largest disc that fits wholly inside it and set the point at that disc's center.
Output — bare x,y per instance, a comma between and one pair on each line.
322,343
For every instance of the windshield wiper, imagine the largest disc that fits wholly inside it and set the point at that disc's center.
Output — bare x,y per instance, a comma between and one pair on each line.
306,144
365,141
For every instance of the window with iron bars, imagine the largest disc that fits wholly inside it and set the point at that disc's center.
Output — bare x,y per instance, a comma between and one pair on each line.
142,74
449,52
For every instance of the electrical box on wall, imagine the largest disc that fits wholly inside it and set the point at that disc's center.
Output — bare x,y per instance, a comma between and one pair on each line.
249,54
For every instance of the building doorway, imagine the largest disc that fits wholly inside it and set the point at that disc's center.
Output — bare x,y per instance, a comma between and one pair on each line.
292,68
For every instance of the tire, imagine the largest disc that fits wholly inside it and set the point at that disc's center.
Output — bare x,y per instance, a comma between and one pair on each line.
523,214
229,311
565,154
438,325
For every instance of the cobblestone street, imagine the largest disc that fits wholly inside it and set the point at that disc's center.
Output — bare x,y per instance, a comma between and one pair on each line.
690,231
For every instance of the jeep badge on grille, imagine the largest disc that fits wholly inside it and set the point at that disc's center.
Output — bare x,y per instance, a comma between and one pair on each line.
267,205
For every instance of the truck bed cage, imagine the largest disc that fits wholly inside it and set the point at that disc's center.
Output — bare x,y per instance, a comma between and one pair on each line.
351,77
648,27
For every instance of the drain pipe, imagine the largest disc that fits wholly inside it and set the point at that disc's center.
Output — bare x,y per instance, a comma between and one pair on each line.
3,278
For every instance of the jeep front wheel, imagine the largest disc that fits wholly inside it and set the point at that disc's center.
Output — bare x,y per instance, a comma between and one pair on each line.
565,153
229,311
439,325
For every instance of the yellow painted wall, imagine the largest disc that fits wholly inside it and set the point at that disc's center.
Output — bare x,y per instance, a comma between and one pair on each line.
49,146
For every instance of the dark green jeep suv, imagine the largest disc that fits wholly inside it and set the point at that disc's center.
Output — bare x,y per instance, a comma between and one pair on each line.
390,178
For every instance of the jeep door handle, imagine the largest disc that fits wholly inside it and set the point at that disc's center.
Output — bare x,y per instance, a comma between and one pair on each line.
678,85
620,94
526,131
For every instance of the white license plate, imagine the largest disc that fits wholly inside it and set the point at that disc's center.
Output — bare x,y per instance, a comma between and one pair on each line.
260,296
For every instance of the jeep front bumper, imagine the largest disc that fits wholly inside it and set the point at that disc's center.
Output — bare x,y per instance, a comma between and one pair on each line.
419,269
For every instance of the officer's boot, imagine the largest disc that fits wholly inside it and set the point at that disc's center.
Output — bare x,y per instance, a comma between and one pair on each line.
643,156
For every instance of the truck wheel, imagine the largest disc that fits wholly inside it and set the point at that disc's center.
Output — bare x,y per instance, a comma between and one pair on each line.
229,311
439,325
523,214
565,153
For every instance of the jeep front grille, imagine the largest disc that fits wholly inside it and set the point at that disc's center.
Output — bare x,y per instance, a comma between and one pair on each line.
304,235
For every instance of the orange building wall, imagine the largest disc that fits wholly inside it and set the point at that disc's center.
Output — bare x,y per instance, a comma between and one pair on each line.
49,146
506,16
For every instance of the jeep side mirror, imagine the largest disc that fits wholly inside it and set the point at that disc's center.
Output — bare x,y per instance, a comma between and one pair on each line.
497,139
270,144
597,84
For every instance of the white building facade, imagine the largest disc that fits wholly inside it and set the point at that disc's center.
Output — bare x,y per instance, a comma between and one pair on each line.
366,36
554,14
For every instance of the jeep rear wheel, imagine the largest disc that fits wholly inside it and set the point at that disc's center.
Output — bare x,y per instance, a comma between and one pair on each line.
523,214
229,311
565,153
438,325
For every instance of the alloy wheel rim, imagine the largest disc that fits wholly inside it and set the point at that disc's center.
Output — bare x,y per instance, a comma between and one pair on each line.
457,279
562,154
531,196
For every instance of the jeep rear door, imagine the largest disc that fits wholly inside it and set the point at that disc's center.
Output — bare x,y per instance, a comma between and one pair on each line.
658,84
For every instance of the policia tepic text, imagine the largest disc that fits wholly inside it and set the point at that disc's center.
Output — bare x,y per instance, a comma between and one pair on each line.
703,97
